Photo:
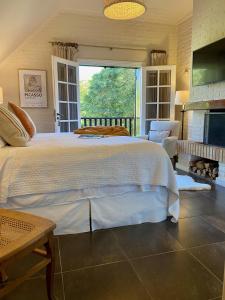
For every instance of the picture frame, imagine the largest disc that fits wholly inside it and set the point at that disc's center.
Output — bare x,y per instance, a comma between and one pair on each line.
33,88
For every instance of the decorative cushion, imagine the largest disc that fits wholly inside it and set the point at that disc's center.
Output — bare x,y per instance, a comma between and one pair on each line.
172,126
11,129
158,136
2,143
24,118
104,130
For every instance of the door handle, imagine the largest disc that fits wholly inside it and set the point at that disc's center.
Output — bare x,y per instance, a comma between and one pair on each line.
59,116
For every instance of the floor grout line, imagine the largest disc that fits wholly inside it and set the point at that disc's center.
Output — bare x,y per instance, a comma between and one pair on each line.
204,266
217,227
205,245
94,266
132,266
157,254
60,264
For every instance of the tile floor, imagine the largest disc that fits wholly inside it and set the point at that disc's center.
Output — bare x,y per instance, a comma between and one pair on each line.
163,261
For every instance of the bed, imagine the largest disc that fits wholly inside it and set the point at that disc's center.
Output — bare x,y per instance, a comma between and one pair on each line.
89,184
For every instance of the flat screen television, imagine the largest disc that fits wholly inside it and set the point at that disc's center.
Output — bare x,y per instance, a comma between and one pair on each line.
209,64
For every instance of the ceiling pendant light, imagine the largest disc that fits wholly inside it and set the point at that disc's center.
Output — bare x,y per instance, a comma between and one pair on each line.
124,10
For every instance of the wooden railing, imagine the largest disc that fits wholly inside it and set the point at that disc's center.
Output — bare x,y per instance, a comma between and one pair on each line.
128,122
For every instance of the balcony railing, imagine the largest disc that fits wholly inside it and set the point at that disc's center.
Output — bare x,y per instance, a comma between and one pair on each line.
128,122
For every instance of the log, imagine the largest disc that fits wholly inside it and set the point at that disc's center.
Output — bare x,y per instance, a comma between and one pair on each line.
200,165
194,169
206,165
199,172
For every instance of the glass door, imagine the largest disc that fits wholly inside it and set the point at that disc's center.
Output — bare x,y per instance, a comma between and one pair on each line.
158,94
66,94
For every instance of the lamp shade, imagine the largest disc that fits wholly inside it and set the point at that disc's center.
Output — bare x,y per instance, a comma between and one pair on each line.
1,95
181,97
124,9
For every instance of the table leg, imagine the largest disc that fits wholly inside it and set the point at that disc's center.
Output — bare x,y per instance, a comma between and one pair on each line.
50,268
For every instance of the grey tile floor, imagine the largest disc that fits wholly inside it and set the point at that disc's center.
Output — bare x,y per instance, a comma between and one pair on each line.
163,261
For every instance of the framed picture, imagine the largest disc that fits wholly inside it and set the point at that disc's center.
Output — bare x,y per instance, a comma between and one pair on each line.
33,88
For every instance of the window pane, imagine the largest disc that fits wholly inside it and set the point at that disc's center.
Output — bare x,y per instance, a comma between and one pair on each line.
64,127
164,111
61,72
72,93
165,77
73,126
72,74
62,92
73,111
151,111
63,110
152,78
164,94
151,95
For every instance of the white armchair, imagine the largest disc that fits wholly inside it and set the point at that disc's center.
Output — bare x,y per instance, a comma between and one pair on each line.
169,143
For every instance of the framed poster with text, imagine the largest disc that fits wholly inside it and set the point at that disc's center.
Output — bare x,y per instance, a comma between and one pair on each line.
33,88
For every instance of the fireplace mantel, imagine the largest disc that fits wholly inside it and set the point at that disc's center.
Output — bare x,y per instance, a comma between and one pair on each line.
205,105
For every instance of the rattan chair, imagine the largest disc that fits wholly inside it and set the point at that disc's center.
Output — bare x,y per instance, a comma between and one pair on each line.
21,234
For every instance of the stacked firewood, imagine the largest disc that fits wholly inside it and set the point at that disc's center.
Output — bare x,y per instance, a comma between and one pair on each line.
205,168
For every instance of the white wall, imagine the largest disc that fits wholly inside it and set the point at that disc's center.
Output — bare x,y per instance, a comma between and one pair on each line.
184,52
208,26
35,52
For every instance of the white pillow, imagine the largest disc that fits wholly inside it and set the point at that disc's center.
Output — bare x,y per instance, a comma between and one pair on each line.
2,143
158,136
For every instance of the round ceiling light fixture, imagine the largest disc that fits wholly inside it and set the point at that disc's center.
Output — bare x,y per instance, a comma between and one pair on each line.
124,10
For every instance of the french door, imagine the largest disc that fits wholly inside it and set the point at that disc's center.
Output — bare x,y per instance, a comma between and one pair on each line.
66,94
158,95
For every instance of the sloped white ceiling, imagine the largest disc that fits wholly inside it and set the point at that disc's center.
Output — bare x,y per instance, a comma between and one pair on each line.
19,18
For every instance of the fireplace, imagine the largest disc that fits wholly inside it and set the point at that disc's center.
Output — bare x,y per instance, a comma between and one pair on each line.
206,122
214,128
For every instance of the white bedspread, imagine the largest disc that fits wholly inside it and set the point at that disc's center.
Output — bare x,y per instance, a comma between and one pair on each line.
63,162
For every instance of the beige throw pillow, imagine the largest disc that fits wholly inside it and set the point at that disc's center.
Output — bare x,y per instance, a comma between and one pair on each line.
11,129
2,143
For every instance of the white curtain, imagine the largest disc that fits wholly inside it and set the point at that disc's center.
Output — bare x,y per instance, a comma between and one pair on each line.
65,50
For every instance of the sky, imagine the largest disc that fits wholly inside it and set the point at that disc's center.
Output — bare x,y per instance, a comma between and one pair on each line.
86,73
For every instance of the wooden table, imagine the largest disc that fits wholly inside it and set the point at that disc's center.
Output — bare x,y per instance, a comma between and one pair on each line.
21,234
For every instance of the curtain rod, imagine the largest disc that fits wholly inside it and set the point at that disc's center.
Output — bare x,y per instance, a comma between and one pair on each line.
76,45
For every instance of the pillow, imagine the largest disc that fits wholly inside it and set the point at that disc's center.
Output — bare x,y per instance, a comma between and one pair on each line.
158,136
2,143
24,118
11,129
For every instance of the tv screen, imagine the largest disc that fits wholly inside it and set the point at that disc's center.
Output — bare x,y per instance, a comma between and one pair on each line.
214,129
209,64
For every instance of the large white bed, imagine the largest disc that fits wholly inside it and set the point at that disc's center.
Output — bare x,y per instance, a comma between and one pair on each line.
89,184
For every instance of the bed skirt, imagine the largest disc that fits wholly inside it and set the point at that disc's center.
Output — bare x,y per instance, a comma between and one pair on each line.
92,214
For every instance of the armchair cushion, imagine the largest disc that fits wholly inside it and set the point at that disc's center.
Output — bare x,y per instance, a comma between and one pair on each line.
158,136
172,126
